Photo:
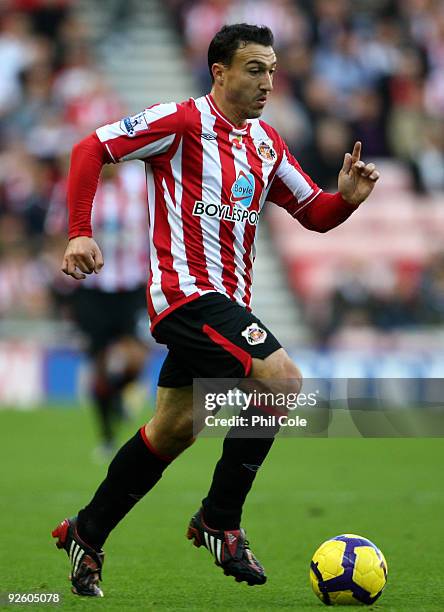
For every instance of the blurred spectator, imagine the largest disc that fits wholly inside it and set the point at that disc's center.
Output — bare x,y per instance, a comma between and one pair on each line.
368,122
17,52
212,13
284,18
432,290
23,277
340,66
368,296
321,161
288,116
430,159
51,95
109,308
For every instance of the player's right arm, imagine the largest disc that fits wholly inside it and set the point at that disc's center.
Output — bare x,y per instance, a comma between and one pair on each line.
152,133
82,255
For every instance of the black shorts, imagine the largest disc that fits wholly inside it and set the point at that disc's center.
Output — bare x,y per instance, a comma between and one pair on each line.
211,337
105,317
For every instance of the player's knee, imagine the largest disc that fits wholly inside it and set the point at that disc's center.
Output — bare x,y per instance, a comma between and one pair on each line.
171,440
277,373
182,433
292,377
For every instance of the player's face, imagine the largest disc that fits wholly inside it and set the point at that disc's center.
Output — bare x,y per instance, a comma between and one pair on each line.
249,80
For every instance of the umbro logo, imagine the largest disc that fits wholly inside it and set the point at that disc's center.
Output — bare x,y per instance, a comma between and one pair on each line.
251,466
208,136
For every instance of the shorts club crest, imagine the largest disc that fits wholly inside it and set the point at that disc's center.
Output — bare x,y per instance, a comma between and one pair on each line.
254,334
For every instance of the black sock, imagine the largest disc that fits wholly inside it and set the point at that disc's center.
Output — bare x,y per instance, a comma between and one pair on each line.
132,473
234,475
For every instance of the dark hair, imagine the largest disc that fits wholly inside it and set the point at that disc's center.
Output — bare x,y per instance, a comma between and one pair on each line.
228,40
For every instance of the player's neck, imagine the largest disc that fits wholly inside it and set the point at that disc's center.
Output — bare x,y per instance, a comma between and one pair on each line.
228,110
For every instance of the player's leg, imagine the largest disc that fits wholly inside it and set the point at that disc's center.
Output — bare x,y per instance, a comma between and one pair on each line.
139,465
135,470
217,524
244,451
170,431
237,346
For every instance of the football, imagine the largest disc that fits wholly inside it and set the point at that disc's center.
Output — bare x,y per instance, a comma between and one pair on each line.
348,569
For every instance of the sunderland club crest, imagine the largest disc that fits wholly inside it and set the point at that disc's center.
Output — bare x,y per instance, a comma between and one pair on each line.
266,151
254,334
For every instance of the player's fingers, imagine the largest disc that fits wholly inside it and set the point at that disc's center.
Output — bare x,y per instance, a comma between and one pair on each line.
368,169
81,262
356,153
98,260
65,265
69,268
81,265
359,166
347,163
86,263
374,175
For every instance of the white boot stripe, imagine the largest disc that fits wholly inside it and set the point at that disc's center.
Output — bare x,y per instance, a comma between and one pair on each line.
75,551
71,549
219,547
77,554
206,540
78,559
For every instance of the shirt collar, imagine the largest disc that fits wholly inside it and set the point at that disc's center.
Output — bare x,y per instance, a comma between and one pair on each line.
235,129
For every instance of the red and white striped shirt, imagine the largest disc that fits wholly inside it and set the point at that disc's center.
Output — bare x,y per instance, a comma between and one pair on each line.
207,183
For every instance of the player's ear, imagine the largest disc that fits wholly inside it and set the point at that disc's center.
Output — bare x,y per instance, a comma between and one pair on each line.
218,71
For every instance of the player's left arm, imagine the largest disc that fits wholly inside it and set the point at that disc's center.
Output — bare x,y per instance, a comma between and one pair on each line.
316,210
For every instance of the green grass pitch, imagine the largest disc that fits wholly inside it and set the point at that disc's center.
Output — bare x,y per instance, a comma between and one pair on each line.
389,490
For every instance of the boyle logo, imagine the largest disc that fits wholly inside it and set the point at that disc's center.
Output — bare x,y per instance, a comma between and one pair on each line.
242,191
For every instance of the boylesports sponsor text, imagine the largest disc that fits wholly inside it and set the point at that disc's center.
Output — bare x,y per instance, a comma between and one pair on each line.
225,212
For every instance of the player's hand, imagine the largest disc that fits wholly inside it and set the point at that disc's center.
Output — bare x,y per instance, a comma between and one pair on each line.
82,253
356,179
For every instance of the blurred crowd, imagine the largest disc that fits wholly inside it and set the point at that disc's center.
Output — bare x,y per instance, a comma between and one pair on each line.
368,70
347,70
52,94
373,303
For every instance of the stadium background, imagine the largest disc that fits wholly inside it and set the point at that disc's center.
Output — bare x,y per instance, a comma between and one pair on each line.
364,300
372,291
